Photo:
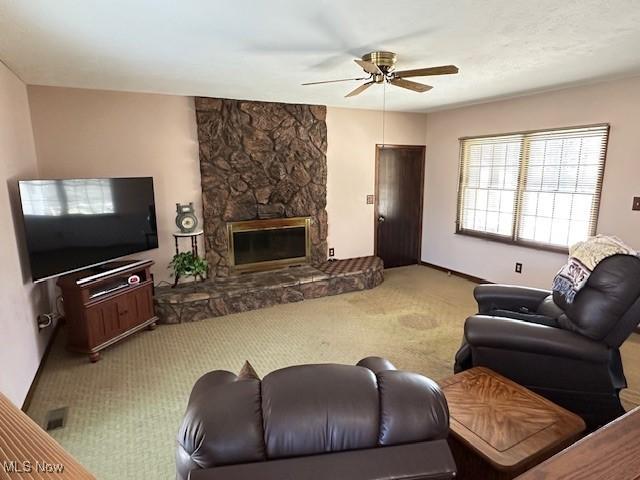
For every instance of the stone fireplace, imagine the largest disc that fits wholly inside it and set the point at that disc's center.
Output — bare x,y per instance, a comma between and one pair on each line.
261,161
264,188
256,245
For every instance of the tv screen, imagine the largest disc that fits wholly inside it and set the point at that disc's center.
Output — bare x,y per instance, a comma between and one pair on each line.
79,223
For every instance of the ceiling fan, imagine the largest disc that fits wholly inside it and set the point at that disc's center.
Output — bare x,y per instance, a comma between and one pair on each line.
381,69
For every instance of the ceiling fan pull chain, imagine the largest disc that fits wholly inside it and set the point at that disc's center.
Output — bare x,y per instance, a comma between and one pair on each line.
384,107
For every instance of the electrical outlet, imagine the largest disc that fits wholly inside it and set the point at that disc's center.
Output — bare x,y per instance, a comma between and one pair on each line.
636,203
518,267
370,199
331,252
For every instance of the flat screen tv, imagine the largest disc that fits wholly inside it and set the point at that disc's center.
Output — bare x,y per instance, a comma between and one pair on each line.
79,223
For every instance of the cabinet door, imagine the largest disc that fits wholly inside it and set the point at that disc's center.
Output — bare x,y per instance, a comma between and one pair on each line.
140,305
107,320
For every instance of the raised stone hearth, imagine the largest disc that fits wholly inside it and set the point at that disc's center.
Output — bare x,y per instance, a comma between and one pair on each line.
240,293
261,160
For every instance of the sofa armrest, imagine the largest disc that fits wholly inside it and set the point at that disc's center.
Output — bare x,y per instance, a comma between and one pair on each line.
507,334
508,297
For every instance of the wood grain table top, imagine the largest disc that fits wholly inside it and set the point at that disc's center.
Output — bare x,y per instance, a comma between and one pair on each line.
27,452
503,422
611,453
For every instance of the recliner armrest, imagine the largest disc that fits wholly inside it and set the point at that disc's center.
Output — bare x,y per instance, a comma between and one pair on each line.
507,334
508,297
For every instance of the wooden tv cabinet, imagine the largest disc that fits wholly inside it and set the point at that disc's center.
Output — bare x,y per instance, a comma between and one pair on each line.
101,308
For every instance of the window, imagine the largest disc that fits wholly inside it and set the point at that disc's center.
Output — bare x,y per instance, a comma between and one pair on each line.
539,188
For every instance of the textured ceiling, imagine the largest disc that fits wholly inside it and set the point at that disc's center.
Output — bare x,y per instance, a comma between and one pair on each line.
263,50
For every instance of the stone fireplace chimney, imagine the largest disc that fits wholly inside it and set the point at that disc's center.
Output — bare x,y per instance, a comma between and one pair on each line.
261,160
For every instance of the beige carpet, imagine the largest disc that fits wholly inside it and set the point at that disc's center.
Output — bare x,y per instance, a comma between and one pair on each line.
125,410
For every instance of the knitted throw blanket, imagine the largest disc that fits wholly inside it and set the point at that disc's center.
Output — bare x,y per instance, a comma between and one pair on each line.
583,258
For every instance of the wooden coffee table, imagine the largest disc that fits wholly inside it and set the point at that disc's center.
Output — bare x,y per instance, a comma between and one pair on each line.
500,429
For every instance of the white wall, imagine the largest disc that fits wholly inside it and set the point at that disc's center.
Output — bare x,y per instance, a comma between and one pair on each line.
352,137
616,103
86,133
22,345
92,133
98,133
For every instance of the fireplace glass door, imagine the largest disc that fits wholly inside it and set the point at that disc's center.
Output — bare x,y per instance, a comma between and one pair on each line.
265,244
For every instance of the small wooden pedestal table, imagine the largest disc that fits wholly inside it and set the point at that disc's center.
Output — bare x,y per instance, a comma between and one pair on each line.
194,240
500,429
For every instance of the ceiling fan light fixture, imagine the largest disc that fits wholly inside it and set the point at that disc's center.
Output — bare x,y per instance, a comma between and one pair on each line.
385,61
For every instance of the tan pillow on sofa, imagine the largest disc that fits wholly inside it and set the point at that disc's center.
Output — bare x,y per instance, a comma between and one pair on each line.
248,372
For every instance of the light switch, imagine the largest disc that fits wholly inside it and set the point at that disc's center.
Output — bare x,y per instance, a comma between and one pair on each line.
636,203
370,199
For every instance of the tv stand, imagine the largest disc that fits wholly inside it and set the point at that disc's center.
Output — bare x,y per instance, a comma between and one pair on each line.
102,308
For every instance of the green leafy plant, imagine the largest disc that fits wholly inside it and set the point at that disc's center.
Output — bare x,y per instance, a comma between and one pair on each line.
186,264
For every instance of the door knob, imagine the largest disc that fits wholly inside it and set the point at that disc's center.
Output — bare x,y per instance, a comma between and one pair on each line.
380,219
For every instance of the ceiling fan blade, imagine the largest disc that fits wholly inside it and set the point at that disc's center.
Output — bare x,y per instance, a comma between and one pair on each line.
359,90
369,67
423,72
335,81
415,86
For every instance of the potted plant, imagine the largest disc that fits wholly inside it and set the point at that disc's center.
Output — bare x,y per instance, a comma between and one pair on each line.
187,264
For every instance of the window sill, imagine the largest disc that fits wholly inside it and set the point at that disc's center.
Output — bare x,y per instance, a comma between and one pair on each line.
517,243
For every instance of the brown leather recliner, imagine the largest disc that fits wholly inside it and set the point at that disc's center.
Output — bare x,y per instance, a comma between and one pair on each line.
567,352
316,422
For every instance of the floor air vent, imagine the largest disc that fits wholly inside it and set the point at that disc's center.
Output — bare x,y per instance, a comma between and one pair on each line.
56,418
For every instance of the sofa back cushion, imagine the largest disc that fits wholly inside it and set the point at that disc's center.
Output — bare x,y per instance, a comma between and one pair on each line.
222,424
412,409
311,409
613,287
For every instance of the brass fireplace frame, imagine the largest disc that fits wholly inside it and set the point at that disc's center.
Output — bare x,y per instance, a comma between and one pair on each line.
269,224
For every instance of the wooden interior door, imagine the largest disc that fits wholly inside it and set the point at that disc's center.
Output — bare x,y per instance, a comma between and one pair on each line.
399,197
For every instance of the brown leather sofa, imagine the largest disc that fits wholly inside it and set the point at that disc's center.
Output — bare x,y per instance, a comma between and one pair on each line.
316,422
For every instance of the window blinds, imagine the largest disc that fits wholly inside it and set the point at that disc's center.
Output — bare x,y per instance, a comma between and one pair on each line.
540,187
